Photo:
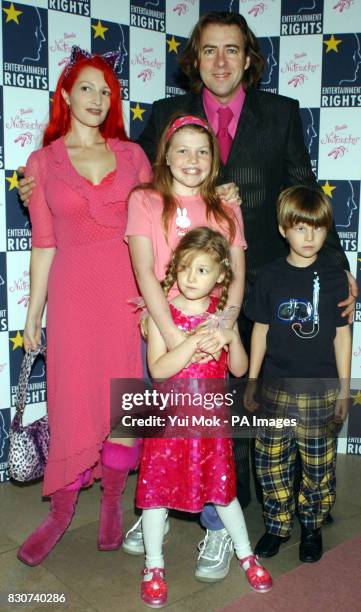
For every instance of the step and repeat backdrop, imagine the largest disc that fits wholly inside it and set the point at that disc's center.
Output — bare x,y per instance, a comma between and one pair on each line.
313,54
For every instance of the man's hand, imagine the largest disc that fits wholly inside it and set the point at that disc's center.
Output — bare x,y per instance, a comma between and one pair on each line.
26,186
341,409
350,301
249,401
229,192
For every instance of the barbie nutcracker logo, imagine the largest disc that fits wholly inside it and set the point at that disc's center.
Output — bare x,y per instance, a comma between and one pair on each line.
339,140
63,46
25,126
21,288
343,5
181,8
298,68
149,64
256,9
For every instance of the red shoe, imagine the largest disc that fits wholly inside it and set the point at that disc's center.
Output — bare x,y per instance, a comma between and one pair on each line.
154,592
258,577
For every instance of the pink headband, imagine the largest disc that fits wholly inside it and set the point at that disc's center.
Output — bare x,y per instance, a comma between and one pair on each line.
182,121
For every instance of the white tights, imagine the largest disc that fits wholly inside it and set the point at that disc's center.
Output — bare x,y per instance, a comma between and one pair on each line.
153,532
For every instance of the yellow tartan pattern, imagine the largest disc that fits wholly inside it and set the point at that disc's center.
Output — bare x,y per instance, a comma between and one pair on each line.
275,454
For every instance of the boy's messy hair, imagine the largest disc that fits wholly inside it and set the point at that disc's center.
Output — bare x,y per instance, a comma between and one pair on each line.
301,204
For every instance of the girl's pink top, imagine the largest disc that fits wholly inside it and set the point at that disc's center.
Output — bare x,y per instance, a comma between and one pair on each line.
145,219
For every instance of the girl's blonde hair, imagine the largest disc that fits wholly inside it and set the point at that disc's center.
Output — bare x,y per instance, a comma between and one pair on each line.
198,240
201,240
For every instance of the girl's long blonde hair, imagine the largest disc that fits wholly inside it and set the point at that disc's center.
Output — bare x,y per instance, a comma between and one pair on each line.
197,241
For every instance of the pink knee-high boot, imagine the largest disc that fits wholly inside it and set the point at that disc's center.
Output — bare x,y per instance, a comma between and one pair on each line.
117,460
39,544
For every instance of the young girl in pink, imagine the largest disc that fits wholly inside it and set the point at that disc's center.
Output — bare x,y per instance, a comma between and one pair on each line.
186,473
181,197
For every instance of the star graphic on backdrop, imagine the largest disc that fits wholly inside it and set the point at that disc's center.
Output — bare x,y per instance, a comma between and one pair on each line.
99,30
12,14
172,45
13,180
356,398
328,189
332,44
17,341
137,112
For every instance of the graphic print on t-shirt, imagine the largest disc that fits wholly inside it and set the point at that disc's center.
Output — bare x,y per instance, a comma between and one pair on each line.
182,221
301,313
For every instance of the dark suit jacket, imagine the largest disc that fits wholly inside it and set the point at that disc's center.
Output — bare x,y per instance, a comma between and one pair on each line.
267,155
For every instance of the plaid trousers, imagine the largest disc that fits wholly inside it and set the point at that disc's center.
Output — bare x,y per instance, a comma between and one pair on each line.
275,454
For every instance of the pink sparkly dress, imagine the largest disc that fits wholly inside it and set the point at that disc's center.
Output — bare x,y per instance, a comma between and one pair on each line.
186,473
92,333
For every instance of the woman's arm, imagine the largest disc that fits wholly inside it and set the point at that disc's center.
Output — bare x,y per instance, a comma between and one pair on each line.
141,253
163,363
40,263
43,248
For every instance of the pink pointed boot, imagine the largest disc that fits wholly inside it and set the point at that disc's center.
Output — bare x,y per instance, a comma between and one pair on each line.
39,544
117,460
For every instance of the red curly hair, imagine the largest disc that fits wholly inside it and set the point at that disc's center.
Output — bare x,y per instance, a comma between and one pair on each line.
59,123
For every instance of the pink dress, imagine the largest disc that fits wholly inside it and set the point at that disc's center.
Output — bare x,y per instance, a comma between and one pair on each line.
92,334
185,474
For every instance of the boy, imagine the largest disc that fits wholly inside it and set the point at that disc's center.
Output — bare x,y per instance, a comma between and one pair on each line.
301,337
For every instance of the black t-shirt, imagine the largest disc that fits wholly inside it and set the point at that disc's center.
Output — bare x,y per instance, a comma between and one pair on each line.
300,307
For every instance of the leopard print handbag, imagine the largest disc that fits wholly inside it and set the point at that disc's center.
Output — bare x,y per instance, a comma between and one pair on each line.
29,444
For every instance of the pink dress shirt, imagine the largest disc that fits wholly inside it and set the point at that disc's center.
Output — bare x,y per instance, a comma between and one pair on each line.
211,106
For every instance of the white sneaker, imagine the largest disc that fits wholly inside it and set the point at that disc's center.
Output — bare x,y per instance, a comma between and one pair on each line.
215,555
133,541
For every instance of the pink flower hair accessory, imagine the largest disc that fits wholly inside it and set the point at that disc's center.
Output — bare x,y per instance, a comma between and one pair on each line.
183,121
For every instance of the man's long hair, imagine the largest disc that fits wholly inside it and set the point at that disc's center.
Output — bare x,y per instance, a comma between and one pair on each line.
190,58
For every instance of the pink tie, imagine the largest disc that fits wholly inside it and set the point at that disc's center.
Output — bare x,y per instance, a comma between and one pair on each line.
224,138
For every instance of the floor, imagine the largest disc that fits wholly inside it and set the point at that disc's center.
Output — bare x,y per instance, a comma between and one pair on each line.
103,582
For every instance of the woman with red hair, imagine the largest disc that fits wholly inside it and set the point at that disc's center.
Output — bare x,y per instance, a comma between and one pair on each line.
80,264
